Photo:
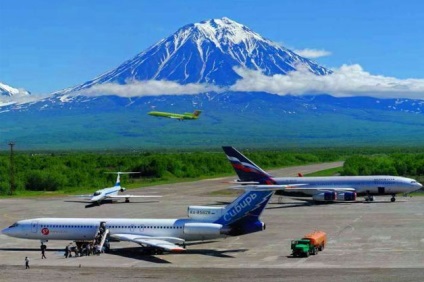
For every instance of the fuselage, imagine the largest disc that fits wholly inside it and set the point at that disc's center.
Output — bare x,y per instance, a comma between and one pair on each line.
173,115
81,229
101,195
372,185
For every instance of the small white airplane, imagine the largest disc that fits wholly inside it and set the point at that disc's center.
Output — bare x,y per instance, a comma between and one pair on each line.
157,235
323,188
112,192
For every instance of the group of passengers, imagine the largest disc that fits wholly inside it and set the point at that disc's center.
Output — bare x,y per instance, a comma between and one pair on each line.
82,249
87,248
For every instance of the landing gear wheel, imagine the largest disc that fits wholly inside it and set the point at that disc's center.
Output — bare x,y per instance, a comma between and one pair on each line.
393,199
127,200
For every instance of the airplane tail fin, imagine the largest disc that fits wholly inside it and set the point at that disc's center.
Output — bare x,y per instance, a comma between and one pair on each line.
245,168
118,180
242,215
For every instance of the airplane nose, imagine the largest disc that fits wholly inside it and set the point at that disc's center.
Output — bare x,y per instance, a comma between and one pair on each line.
5,231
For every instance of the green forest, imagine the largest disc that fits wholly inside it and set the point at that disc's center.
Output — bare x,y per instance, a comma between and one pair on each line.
79,172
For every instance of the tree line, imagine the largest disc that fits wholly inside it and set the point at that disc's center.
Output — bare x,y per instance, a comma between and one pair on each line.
76,171
68,172
399,164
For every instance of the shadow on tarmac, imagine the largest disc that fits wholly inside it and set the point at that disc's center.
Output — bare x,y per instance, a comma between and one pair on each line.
92,205
136,253
215,253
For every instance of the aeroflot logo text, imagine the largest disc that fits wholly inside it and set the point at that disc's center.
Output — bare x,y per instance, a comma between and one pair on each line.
239,207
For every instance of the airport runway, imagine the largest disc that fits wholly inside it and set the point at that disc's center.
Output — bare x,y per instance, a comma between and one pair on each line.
380,241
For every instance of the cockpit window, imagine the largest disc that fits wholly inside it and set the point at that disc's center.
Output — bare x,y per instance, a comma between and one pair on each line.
13,225
413,182
96,193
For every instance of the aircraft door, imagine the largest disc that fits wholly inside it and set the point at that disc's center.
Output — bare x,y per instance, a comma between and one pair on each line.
381,190
34,226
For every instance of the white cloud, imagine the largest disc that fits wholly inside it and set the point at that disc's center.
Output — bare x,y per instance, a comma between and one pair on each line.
149,88
312,53
20,99
348,80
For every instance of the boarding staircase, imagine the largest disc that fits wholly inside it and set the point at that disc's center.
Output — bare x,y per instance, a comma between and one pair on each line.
104,237
101,236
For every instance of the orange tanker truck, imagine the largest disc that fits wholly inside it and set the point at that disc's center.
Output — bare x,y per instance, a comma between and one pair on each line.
310,244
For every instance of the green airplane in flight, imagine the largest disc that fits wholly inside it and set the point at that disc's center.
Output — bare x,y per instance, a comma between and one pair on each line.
193,115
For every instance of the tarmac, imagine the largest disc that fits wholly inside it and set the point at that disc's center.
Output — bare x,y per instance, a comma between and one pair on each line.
378,241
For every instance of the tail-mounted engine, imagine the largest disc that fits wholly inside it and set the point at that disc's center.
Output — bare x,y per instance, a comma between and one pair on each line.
201,228
243,228
122,189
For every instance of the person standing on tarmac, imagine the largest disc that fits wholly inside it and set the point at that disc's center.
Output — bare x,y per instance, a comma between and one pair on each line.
43,250
26,263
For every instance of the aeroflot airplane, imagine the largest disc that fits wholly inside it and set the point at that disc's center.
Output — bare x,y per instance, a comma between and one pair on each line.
112,192
333,188
203,223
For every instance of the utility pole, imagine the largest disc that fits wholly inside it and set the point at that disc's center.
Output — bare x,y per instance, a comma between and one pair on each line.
12,170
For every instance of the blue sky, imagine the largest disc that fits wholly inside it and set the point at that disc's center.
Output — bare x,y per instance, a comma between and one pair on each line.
50,45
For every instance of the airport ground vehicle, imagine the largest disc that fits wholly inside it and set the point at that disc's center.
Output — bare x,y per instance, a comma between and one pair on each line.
310,244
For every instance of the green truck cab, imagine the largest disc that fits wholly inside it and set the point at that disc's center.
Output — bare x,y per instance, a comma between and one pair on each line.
303,248
310,244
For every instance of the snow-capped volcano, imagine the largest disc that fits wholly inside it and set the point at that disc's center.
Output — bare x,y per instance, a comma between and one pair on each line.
214,53
206,52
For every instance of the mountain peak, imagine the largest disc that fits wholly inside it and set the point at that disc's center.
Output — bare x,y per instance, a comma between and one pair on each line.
9,91
226,30
206,52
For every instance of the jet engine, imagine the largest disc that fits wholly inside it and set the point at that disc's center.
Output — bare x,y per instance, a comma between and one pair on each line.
245,228
122,189
200,228
327,196
346,196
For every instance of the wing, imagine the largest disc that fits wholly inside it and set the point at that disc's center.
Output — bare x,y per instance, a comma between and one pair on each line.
81,196
166,243
130,196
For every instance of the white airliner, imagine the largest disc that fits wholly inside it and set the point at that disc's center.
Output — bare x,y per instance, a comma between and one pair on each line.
332,188
203,223
112,192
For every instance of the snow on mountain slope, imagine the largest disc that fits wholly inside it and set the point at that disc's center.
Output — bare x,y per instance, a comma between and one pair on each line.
10,95
206,52
8,91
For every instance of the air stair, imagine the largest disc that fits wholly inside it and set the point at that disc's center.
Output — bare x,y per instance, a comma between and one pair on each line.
101,236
